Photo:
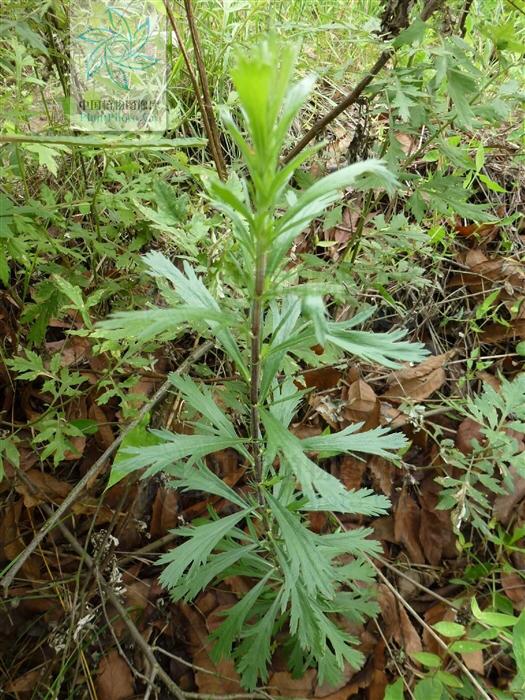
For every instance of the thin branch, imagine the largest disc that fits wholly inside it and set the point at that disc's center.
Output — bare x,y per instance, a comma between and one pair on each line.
209,127
354,95
463,19
203,77
95,468
429,629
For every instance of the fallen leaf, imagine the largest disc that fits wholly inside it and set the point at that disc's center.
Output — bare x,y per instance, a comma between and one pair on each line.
114,680
474,661
164,512
437,613
407,523
504,505
282,683
376,689
481,232
468,430
25,683
514,586
419,382
362,405
218,678
73,350
321,378
436,533
383,473
46,488
104,436
397,624
351,470
11,542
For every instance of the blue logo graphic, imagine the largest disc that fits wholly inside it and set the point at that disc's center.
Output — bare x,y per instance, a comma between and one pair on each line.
117,50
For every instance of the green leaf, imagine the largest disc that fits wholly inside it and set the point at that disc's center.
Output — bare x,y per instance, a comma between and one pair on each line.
493,619
395,691
520,348
168,323
8,453
379,441
449,679
139,437
236,616
317,198
302,553
197,477
255,649
427,659
413,33
193,582
385,349
459,86
172,449
428,689
47,156
518,644
466,646
193,292
192,554
449,629
324,491
201,399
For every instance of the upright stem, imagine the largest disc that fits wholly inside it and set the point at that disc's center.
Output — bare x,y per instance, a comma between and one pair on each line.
207,102
255,368
209,130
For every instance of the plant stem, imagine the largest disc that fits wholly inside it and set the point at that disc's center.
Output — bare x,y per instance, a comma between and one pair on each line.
206,96
255,364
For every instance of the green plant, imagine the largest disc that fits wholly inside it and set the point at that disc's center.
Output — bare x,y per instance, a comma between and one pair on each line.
302,581
489,464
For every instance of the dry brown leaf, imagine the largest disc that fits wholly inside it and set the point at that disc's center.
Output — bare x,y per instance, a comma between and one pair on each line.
322,378
514,586
73,350
92,507
407,524
104,436
383,473
11,542
436,534
419,382
436,613
481,232
25,683
397,624
351,470
362,405
474,661
325,690
468,430
376,689
45,488
504,505
164,512
114,680
406,142
282,683
218,678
